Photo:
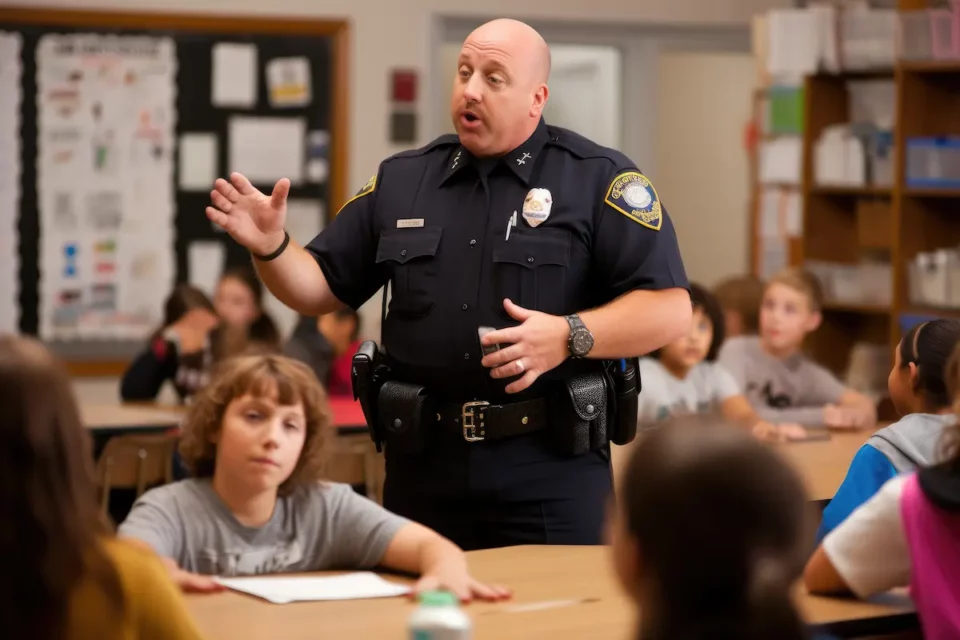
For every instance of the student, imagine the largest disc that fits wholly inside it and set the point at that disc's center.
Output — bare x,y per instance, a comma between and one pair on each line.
740,298
707,535
239,303
180,351
683,377
254,440
64,574
780,382
327,344
908,534
919,393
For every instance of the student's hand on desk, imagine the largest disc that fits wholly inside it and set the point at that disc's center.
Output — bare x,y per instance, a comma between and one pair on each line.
454,577
191,582
839,417
537,345
787,432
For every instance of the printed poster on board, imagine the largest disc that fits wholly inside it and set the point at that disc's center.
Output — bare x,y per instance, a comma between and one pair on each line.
105,173
11,69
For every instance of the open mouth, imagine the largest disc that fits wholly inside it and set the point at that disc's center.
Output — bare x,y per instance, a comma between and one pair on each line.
470,119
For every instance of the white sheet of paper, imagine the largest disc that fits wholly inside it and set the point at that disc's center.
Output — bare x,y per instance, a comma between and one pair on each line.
198,161
288,82
205,260
234,82
267,149
283,590
305,219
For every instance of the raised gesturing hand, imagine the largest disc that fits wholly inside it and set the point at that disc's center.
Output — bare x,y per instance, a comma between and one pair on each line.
252,218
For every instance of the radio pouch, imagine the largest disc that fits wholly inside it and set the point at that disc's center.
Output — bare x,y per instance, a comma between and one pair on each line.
403,408
579,414
626,386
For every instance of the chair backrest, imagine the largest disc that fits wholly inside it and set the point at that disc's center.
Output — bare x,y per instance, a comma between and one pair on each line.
136,462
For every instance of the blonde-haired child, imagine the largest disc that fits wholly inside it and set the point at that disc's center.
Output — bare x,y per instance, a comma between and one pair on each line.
780,381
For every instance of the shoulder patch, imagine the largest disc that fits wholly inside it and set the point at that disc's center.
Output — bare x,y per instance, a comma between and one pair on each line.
366,189
633,195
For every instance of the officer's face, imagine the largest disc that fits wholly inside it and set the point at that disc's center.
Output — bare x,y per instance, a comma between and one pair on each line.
786,317
496,96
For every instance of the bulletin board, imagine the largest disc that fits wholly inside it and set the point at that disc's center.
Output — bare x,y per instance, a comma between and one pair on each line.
219,122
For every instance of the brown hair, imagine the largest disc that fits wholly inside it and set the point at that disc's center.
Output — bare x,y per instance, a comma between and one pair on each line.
50,536
742,294
182,299
804,282
722,526
288,380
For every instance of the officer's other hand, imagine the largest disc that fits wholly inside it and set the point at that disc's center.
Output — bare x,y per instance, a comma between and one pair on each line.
253,219
537,345
457,581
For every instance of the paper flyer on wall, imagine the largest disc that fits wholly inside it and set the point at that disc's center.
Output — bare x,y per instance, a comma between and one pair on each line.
106,108
11,69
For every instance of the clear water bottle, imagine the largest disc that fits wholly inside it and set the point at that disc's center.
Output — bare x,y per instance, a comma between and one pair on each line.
439,617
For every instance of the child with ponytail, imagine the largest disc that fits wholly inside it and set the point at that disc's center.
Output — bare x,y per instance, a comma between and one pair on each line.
708,535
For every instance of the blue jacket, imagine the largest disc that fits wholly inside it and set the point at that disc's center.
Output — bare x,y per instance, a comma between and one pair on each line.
903,446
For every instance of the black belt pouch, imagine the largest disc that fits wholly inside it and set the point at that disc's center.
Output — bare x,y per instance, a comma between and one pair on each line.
404,411
626,385
578,414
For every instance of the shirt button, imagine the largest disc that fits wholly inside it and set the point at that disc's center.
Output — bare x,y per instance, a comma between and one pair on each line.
529,258
464,306
403,252
473,242
466,356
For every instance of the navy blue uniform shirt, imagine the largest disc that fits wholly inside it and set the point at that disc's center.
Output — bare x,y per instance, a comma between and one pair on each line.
433,221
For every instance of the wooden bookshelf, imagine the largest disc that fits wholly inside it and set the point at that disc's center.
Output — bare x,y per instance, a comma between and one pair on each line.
903,221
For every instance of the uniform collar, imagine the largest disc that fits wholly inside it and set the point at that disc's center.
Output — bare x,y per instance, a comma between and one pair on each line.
521,160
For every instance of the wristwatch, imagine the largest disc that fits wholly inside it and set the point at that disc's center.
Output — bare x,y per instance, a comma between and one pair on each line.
580,341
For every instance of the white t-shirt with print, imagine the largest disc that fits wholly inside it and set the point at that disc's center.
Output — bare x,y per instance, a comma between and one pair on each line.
663,395
869,549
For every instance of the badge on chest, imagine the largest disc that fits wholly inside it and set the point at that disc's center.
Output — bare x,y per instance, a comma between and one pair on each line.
536,206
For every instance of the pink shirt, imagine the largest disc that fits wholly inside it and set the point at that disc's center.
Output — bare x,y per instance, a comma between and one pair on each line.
933,536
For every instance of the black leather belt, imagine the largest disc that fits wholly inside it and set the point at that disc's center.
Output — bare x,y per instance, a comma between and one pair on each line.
478,420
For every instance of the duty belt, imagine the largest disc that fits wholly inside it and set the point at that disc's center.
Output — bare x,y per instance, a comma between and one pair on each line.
479,420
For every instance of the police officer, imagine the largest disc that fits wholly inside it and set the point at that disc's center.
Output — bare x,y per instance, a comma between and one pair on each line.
560,245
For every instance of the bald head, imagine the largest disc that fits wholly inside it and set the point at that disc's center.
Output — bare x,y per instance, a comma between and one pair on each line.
501,87
521,40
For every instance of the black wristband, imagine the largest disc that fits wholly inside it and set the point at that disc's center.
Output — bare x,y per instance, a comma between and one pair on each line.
275,254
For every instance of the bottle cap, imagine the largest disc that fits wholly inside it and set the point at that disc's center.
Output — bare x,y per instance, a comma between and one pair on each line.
438,599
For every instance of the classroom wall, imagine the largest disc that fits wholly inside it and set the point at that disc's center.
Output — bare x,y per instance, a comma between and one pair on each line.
388,34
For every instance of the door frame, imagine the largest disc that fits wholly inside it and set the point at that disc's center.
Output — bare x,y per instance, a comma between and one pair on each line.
640,44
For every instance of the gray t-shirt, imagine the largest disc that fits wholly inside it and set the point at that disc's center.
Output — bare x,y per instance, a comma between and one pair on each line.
320,526
791,390
663,395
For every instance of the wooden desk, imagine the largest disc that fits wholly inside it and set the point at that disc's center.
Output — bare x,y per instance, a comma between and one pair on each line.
537,575
823,464
128,418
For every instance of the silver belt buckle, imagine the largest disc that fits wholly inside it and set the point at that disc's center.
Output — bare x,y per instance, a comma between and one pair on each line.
472,419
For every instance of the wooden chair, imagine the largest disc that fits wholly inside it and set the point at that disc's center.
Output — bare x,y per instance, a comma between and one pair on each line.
134,462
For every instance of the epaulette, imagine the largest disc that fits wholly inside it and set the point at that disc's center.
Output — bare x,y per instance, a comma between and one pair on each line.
585,148
445,140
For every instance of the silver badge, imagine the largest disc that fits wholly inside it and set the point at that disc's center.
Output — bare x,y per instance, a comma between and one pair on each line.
536,206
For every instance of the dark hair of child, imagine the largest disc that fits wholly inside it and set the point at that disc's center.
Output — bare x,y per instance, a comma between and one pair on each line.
929,345
182,299
704,301
721,524
52,527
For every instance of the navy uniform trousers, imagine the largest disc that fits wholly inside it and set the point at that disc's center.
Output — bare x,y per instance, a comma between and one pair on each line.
501,493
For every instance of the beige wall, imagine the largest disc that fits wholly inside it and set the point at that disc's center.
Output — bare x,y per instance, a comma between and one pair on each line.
387,34
703,104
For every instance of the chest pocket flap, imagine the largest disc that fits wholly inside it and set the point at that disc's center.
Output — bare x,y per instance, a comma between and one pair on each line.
403,245
410,254
531,269
530,252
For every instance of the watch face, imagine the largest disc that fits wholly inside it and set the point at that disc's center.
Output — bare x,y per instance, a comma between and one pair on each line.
581,343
